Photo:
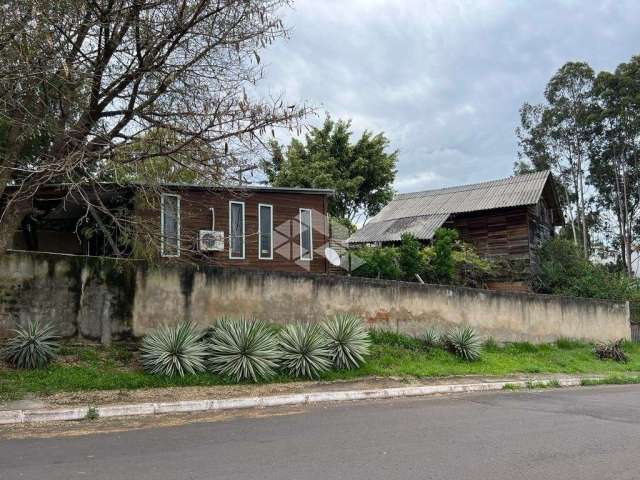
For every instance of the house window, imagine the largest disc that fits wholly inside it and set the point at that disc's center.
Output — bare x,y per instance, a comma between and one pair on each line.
265,232
306,237
170,225
236,230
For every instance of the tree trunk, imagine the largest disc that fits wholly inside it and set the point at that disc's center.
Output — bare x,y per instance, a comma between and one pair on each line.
11,218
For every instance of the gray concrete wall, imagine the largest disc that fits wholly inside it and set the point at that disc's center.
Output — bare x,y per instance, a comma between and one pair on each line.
130,299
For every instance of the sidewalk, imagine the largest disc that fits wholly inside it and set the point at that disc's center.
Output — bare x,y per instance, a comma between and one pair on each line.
83,405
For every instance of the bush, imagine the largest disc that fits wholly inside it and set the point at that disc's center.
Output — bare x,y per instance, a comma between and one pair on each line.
564,271
464,343
172,351
243,350
31,346
348,341
611,351
442,264
304,350
471,270
377,262
411,260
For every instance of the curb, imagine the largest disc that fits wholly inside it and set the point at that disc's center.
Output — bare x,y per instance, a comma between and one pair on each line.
79,413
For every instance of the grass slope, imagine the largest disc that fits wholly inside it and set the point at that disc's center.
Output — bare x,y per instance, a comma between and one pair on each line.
96,368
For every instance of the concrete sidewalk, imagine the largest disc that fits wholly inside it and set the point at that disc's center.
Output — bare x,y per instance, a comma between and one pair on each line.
78,406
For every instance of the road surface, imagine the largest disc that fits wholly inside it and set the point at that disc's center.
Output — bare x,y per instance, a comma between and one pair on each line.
588,433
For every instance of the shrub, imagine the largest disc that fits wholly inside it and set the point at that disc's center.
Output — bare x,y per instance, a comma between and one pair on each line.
31,346
411,260
464,343
305,350
471,270
377,262
348,341
611,351
431,338
172,351
243,349
442,263
563,270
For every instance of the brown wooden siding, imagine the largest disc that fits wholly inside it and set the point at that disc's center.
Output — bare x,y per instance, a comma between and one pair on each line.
497,233
195,215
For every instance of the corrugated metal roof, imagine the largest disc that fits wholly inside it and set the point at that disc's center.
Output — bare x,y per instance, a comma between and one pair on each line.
430,206
422,227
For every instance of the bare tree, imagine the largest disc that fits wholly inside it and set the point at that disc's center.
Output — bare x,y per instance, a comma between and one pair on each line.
83,80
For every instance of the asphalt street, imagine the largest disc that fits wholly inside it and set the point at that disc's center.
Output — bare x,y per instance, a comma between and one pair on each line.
586,433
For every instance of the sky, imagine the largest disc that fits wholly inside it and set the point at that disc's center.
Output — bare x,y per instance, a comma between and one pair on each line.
443,79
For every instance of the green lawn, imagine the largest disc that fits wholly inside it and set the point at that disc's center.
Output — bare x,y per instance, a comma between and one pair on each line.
97,368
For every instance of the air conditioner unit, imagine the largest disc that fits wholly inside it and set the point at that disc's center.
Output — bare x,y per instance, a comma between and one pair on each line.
211,241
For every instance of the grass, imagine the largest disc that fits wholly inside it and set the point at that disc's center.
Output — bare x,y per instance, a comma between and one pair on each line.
97,368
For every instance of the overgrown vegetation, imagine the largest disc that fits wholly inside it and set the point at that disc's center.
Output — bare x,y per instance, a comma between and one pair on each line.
447,261
563,270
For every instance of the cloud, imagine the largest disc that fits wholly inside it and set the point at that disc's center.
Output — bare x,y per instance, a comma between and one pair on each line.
443,79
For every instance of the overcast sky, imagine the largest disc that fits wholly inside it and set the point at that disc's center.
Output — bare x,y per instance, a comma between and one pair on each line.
443,79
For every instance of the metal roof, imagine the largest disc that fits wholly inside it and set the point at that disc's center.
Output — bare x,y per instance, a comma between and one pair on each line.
422,213
422,227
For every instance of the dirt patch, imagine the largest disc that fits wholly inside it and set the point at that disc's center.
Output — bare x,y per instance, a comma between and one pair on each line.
172,394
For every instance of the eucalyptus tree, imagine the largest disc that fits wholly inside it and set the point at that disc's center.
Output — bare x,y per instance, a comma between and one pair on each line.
557,134
615,162
81,80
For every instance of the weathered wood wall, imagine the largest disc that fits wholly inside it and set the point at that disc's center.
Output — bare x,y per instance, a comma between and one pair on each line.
195,215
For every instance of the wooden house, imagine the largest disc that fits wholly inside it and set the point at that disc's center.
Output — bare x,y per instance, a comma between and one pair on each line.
284,229
507,218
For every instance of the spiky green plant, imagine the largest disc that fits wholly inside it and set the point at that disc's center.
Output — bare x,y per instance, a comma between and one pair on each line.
31,346
172,351
464,343
431,338
304,350
243,349
348,341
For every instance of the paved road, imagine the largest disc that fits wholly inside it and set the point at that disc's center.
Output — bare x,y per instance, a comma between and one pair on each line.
581,434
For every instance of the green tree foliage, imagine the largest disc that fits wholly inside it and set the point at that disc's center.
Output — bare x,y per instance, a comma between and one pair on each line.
615,152
378,262
442,262
361,173
563,270
411,259
556,135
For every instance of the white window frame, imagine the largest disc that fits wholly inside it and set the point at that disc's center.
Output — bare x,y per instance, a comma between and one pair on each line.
260,256
244,242
310,257
162,235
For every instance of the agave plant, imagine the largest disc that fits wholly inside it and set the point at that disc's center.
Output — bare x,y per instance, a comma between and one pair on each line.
172,351
31,346
243,349
305,350
431,338
464,343
348,341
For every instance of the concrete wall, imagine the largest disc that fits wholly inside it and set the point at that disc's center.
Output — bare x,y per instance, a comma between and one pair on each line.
87,299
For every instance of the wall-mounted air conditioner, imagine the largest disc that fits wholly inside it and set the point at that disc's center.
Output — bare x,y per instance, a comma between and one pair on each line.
211,240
